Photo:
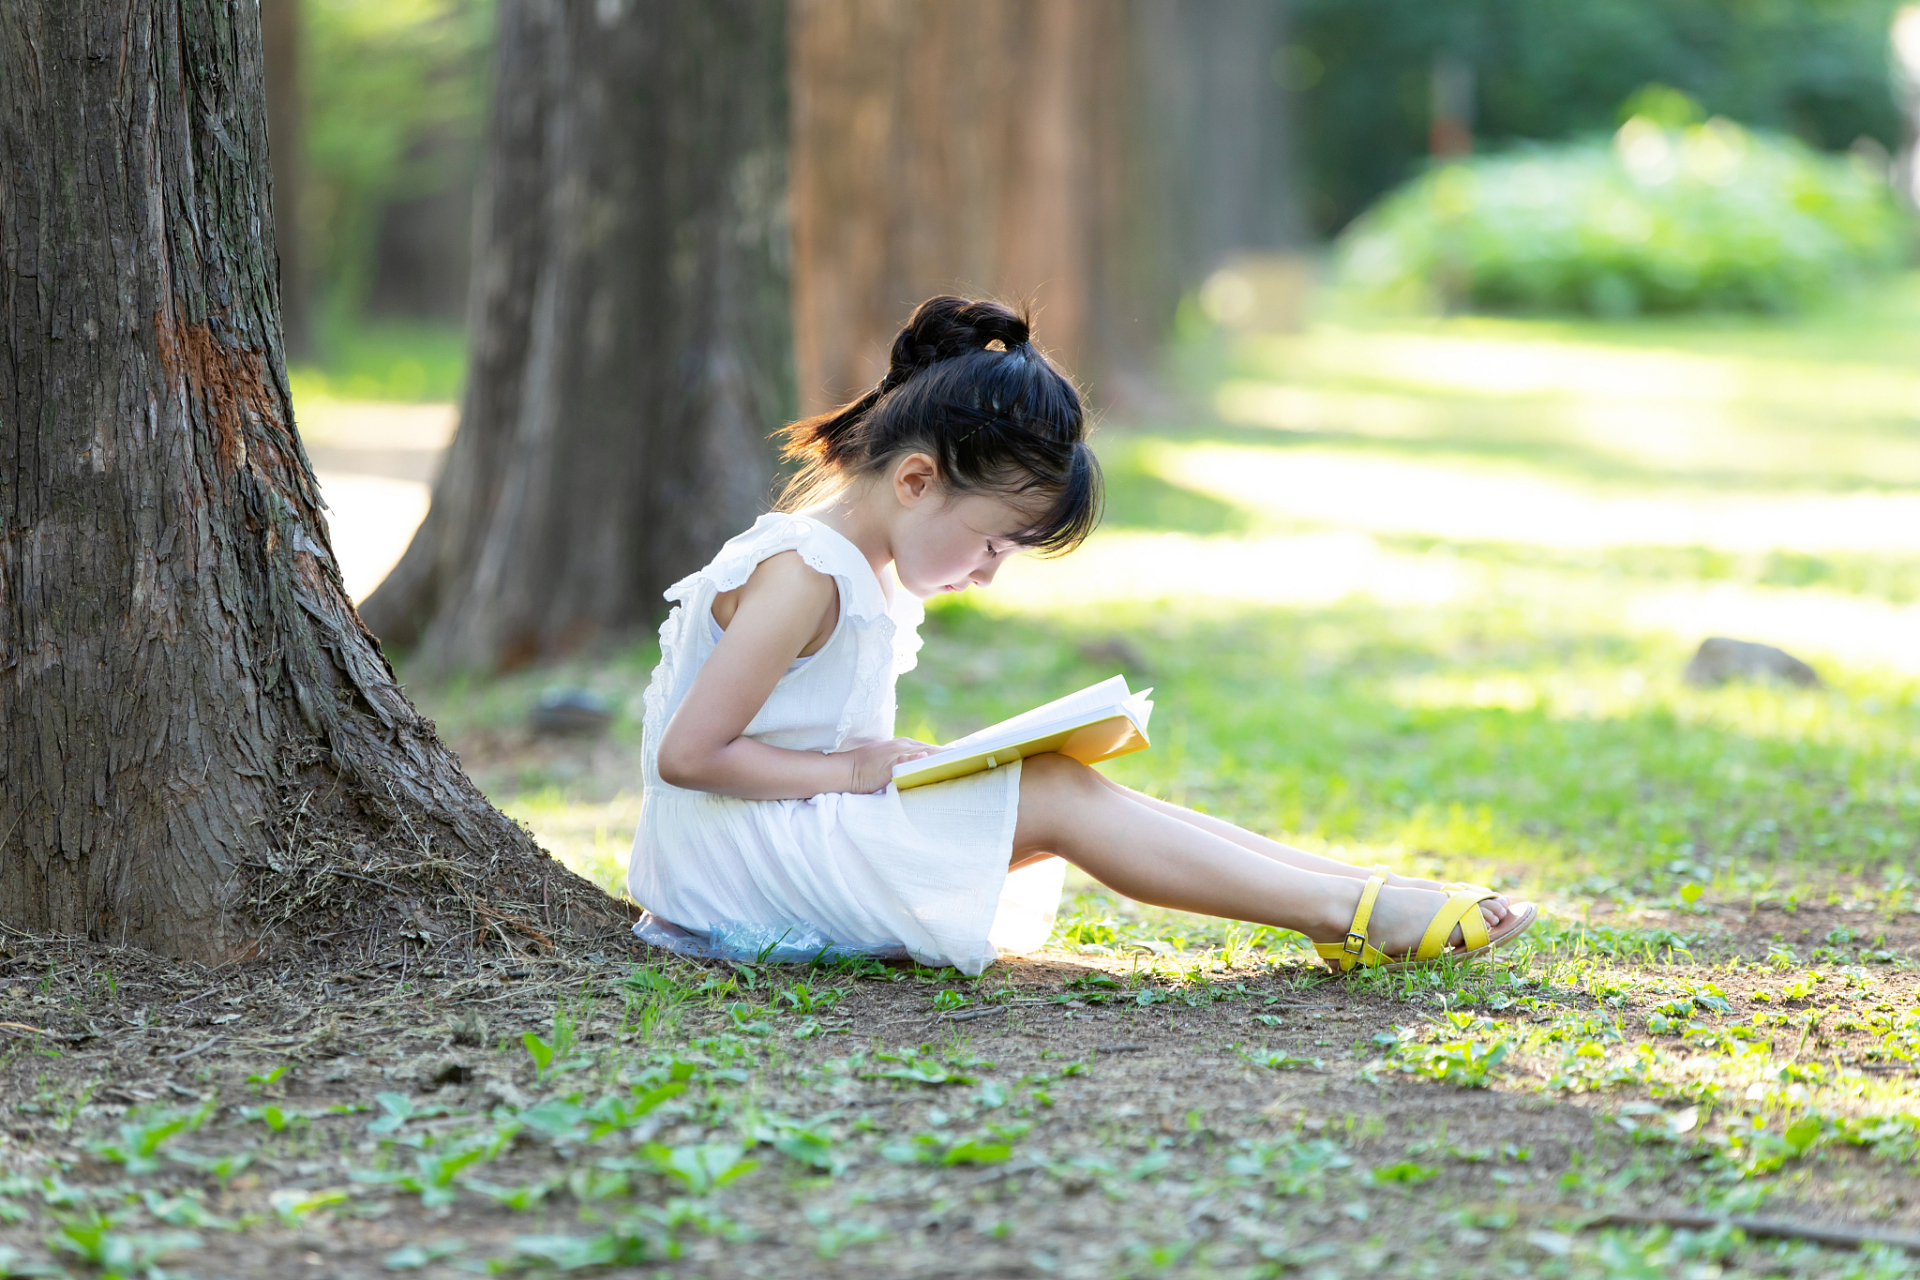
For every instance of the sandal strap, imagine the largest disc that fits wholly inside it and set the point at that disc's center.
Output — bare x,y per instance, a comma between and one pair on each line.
1354,948
1459,909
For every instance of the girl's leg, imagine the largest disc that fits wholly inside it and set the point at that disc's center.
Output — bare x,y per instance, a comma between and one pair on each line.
1155,857
1495,909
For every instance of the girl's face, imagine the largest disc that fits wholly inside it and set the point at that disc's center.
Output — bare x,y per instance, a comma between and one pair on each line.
944,541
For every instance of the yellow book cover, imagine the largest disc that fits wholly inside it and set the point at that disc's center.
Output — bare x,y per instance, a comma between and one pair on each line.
1098,723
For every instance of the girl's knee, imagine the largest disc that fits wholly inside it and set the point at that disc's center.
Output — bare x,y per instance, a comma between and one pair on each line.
1055,792
1060,776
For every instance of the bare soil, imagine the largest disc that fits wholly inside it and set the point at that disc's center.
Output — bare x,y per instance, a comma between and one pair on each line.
1133,1163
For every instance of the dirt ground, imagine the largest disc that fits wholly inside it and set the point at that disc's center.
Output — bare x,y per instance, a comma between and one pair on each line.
1074,1115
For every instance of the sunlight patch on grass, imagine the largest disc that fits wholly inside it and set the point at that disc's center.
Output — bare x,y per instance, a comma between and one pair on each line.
370,521
1468,502
1313,569
1517,360
1849,717
1831,628
593,840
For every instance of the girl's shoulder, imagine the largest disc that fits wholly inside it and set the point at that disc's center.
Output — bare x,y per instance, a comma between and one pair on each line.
817,547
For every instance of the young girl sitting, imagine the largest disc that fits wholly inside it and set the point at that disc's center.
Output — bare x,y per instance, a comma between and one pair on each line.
770,828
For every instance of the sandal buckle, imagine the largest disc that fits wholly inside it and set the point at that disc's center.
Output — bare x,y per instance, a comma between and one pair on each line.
1355,944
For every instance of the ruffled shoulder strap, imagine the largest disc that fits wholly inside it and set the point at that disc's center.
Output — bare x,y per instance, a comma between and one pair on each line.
820,547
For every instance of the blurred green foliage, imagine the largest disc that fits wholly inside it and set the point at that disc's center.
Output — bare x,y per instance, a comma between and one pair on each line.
1708,217
1546,70
404,360
396,101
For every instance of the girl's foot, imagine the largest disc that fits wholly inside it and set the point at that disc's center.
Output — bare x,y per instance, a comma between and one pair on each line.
1497,909
1401,915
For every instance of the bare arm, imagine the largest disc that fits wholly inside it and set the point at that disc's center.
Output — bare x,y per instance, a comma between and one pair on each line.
777,613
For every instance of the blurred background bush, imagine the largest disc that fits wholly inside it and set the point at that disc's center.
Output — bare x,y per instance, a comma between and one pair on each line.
1371,106
1656,218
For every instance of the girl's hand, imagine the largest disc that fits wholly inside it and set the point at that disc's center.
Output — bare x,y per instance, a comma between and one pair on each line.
869,765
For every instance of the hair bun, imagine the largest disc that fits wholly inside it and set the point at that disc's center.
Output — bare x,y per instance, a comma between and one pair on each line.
944,327
966,388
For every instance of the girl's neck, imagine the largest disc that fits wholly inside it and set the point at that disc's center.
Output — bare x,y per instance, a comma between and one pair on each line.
855,515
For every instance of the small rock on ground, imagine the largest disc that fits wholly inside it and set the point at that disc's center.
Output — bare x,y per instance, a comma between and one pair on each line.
1720,659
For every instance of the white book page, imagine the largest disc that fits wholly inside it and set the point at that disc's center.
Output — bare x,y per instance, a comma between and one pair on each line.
1111,692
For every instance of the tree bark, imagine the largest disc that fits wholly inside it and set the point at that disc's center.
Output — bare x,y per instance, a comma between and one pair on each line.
1091,157
628,329
286,137
202,750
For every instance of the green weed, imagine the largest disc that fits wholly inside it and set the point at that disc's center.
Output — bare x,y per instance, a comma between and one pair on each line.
1468,1064
99,1243
140,1142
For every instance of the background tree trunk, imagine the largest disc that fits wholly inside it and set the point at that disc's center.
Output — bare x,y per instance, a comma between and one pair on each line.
286,140
201,744
628,329
1092,157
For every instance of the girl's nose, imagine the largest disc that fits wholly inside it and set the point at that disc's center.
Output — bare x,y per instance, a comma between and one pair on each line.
984,574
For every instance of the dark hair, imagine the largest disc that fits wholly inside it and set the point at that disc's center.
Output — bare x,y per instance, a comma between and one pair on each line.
966,386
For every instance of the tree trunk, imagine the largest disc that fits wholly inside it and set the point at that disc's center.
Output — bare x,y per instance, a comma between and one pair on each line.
1215,131
286,139
628,329
1091,157
942,147
202,751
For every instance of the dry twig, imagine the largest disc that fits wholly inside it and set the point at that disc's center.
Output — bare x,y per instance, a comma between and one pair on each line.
1761,1228
968,1015
202,1047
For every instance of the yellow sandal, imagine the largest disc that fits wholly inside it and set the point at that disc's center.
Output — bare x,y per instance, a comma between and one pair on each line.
1458,910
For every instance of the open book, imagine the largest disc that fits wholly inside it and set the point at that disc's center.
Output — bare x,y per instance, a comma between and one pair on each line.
1098,723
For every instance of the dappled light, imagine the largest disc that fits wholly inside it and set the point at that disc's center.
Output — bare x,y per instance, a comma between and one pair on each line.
1461,502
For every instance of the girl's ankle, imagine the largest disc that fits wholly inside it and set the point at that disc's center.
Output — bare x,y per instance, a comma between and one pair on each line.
1337,917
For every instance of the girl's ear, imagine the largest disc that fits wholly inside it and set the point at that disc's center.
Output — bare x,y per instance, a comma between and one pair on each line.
916,478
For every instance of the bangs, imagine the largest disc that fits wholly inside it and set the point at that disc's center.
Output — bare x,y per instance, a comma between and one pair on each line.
1072,514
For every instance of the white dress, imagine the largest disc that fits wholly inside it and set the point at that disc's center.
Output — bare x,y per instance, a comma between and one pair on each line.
921,873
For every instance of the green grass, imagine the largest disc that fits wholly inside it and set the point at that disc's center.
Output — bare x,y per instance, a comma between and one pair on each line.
400,360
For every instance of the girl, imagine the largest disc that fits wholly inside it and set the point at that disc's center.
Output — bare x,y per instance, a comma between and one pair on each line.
770,828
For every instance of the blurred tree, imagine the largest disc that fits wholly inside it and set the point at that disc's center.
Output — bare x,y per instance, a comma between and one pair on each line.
1094,157
286,143
628,329
396,99
195,719
1362,70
